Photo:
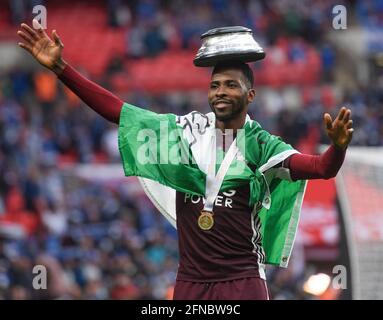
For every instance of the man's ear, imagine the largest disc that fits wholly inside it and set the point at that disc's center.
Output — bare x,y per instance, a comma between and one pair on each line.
251,95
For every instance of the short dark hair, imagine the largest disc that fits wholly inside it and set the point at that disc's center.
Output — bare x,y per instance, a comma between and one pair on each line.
235,64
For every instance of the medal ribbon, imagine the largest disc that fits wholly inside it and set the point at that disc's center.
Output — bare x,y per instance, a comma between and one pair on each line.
213,181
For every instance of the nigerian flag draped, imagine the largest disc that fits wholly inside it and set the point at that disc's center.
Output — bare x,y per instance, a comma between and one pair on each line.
172,153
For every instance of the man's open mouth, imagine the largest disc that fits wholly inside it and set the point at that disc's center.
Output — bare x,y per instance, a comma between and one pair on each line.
220,104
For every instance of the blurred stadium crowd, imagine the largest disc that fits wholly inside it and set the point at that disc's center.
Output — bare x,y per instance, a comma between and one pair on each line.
97,240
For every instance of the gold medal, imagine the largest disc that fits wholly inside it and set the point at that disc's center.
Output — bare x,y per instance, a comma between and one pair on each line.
206,220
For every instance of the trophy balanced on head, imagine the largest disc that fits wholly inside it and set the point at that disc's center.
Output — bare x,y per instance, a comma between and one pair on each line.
228,43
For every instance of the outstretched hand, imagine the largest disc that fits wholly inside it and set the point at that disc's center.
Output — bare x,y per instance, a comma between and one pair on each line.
46,51
340,130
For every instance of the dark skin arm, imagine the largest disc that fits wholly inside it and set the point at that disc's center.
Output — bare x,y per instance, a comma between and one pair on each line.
46,51
49,54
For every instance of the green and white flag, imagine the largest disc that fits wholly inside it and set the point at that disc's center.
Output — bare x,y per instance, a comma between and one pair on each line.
172,153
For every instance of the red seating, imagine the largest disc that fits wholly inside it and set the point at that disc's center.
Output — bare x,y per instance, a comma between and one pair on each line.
90,43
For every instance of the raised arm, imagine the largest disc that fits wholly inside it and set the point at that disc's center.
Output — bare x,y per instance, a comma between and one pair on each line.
48,53
326,165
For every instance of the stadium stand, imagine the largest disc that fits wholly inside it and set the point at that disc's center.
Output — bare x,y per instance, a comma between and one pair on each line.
101,238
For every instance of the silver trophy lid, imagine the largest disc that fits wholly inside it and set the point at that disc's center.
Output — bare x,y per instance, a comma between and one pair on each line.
228,43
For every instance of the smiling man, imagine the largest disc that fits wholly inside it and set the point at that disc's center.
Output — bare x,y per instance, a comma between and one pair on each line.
229,224
230,80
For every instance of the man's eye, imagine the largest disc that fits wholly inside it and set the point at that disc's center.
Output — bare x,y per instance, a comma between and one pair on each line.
232,85
213,86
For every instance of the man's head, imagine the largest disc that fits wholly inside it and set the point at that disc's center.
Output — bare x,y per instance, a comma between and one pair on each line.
231,90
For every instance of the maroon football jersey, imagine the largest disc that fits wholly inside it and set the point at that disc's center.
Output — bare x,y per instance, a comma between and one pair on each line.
231,249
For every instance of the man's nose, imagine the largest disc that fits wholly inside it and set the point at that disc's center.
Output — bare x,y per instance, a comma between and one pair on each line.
220,91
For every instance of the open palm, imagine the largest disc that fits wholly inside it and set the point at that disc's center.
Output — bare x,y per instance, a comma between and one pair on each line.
40,46
340,130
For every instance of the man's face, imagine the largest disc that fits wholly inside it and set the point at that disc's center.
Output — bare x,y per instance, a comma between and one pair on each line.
228,94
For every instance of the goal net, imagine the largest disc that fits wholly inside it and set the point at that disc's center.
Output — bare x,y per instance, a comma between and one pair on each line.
360,191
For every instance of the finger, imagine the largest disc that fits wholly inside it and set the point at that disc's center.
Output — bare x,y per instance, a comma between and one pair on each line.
25,46
30,31
36,24
328,121
350,131
347,116
28,39
39,28
57,39
341,113
349,137
349,124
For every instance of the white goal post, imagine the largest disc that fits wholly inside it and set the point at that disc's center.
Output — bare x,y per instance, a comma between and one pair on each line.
360,192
